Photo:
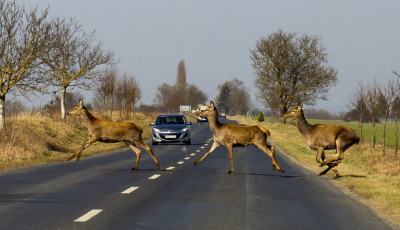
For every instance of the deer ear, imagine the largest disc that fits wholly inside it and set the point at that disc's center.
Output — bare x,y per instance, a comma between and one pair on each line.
300,106
212,104
80,103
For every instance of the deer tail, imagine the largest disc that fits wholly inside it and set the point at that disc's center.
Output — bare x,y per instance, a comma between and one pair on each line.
265,130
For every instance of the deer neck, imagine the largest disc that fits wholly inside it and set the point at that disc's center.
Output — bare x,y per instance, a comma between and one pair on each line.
88,116
215,126
302,125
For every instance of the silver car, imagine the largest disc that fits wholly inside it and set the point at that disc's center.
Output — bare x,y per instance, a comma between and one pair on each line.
171,128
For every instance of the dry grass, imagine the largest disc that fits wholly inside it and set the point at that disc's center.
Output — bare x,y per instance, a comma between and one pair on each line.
31,140
374,178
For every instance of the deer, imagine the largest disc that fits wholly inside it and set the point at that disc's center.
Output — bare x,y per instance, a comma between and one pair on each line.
324,137
230,135
111,132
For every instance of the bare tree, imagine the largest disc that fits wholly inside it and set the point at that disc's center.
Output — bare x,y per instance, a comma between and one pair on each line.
375,108
164,92
128,93
23,37
195,96
390,91
396,115
234,97
73,58
358,101
106,89
291,69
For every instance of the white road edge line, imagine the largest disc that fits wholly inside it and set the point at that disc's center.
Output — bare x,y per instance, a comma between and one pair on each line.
88,215
155,176
129,190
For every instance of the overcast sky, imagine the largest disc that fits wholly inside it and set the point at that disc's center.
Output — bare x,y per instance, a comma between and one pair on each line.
214,38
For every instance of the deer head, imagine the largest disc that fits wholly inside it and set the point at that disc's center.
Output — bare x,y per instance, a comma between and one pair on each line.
209,111
77,110
294,113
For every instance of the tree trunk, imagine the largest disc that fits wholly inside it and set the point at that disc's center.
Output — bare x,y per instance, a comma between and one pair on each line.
384,136
373,132
396,137
112,106
62,99
2,113
284,110
360,126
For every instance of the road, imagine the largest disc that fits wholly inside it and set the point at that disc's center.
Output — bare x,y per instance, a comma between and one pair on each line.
100,193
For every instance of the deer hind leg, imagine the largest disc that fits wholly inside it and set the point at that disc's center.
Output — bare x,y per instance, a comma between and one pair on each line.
137,151
339,154
270,151
150,151
330,167
320,156
84,146
213,147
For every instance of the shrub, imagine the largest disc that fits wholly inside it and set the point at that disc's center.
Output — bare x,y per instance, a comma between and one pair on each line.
260,116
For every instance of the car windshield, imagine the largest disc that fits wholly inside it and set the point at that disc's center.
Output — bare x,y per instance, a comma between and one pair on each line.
168,120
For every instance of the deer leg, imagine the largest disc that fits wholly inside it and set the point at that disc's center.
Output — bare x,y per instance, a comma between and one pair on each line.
150,151
339,155
137,151
320,155
330,166
213,147
270,151
230,152
84,146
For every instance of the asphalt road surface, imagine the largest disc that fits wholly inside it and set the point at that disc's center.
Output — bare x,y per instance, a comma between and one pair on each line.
100,193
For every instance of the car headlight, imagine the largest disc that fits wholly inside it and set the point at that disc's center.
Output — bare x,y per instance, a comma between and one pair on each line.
184,129
156,130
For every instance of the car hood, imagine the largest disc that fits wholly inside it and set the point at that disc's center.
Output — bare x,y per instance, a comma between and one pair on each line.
175,127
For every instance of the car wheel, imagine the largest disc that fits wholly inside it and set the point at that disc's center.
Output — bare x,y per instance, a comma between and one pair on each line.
154,143
188,142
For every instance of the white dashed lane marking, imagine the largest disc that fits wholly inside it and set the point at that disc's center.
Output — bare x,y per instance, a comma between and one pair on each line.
170,168
180,162
193,154
198,151
187,158
129,190
202,147
155,176
88,215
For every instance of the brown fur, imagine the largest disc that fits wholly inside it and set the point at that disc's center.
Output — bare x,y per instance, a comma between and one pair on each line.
109,132
321,137
230,135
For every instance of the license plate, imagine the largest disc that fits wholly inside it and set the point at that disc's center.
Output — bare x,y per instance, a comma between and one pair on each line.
170,136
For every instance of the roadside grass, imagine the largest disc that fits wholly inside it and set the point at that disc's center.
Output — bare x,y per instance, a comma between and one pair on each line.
374,178
31,140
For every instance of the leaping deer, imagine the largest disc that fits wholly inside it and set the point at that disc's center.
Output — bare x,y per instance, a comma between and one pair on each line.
231,134
111,132
323,137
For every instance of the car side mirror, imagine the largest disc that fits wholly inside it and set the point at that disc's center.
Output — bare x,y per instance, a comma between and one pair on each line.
189,123
152,123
